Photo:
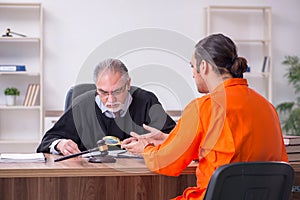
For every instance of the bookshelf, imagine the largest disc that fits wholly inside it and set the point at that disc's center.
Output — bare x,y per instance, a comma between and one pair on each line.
251,29
21,126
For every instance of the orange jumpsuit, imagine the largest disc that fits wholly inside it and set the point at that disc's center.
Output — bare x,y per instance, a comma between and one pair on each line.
231,124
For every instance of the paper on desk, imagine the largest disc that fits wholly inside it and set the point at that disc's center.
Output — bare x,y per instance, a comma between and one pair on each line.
114,153
22,157
123,154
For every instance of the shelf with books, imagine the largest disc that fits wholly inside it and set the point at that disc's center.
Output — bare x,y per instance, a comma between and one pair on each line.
20,81
12,68
20,53
250,28
24,49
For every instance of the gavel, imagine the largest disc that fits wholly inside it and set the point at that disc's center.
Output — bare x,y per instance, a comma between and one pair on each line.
9,33
102,157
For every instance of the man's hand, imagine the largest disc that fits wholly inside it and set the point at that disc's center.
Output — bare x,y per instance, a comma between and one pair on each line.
134,145
155,136
67,147
137,143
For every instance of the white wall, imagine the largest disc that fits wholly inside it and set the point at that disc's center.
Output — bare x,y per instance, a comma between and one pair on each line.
75,29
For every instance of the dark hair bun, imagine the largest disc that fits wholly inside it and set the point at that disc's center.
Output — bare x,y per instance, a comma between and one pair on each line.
238,67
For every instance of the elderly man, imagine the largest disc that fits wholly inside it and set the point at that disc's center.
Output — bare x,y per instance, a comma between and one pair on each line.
116,108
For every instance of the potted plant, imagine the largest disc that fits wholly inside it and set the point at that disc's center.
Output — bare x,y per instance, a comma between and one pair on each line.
291,125
10,94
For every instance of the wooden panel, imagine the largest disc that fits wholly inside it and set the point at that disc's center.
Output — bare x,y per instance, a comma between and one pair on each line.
78,179
90,188
79,167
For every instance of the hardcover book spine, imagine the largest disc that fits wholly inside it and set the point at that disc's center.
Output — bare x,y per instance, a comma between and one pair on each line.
12,68
265,64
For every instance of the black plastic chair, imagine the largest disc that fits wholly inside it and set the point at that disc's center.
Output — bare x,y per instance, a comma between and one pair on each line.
251,181
76,91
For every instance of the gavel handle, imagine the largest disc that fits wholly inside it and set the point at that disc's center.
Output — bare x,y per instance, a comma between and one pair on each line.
74,155
70,156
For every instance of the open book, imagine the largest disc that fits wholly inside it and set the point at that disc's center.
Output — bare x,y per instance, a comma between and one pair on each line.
22,157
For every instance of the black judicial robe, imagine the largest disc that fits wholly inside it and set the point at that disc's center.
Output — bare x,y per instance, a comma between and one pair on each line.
85,124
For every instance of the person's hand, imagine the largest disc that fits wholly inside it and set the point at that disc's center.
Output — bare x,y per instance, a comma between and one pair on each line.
128,141
137,143
134,145
67,147
155,136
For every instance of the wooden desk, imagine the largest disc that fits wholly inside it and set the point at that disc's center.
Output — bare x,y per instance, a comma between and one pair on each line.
76,178
296,166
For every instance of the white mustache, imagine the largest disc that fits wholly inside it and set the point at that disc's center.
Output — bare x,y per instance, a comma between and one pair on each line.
113,104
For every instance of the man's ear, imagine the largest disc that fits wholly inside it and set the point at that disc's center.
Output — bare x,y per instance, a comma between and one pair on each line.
128,84
204,66
200,67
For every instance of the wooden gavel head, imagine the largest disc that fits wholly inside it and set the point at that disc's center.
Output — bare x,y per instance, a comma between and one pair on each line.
102,147
103,157
7,33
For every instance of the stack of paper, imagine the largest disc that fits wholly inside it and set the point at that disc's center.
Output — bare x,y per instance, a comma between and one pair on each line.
22,157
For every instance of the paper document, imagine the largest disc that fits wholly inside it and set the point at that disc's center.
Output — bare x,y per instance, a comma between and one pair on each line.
114,153
22,157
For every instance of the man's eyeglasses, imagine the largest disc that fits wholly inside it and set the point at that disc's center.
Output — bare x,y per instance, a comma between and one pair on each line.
115,92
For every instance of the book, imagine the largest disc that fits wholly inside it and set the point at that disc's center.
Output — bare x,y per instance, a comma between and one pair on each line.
35,94
291,140
265,63
27,95
31,95
12,68
22,157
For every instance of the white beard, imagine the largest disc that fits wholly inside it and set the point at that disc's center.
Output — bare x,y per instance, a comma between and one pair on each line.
117,106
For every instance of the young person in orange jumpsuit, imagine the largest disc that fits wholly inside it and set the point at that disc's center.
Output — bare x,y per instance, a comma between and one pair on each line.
231,123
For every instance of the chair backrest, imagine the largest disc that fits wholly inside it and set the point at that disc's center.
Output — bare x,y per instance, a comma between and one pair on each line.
251,181
76,91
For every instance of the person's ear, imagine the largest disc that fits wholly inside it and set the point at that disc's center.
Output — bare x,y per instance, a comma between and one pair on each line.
204,66
199,68
128,84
